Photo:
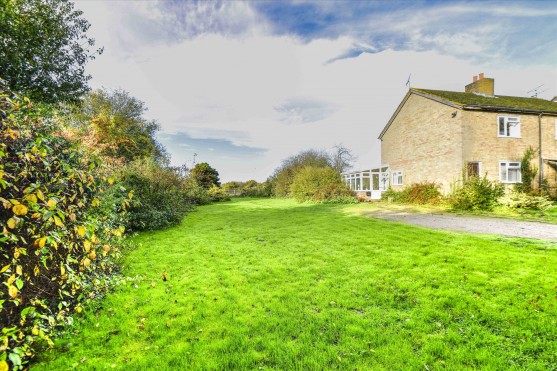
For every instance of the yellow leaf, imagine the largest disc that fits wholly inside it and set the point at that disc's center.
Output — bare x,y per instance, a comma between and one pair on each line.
36,270
4,366
51,203
40,195
58,221
12,290
11,279
42,242
110,181
81,231
62,270
95,202
31,198
20,210
19,270
86,262
5,268
11,223
87,245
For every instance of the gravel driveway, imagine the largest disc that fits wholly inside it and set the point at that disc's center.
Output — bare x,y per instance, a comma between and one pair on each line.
472,224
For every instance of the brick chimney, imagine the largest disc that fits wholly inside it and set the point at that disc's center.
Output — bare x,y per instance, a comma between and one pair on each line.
481,85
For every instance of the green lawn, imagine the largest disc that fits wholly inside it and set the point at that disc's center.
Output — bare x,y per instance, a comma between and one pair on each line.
271,284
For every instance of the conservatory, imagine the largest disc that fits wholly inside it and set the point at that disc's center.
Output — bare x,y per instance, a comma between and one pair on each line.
368,184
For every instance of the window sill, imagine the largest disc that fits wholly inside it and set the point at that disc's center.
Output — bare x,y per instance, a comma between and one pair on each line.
502,136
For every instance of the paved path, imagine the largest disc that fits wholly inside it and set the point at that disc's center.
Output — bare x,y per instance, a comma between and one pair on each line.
472,224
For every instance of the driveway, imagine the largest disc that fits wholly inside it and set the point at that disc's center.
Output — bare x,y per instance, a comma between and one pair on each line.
471,224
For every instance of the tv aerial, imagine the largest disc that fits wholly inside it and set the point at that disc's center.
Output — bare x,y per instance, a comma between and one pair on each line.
536,91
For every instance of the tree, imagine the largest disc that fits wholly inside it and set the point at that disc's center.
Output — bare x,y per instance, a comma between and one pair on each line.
205,175
112,124
44,49
340,159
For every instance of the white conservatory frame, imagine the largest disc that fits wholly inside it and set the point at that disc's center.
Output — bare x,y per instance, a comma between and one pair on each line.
369,183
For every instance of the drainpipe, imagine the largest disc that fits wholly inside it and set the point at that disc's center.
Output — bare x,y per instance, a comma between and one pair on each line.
540,145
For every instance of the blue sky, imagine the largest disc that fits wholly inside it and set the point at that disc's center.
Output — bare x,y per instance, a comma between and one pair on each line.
245,84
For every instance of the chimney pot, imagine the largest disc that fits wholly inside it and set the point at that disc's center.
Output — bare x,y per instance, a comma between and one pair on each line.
481,76
475,78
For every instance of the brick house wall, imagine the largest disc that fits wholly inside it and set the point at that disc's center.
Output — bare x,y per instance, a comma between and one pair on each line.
431,141
481,141
425,142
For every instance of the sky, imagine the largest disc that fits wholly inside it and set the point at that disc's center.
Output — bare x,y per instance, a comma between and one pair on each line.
242,85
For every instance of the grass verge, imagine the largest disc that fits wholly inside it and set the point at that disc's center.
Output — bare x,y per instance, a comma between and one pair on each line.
270,284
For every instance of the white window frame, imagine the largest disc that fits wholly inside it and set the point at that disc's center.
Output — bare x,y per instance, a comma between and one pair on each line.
515,166
397,177
555,129
506,128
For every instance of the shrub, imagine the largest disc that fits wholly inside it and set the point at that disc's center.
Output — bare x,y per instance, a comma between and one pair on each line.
253,189
526,201
218,194
416,193
162,196
476,194
58,241
319,184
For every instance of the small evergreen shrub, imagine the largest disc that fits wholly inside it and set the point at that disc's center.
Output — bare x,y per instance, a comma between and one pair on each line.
321,184
416,193
476,193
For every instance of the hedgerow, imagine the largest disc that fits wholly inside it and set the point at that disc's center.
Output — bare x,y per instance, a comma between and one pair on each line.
59,239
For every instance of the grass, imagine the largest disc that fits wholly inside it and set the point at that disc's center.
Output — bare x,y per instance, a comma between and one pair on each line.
270,284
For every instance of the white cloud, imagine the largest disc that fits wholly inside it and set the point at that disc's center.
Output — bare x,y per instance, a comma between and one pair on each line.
217,87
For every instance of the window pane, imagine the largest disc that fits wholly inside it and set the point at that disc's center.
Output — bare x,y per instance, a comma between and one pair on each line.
503,172
366,184
473,169
514,175
375,178
514,129
501,126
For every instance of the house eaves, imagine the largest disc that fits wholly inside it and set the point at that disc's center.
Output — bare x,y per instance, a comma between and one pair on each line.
472,102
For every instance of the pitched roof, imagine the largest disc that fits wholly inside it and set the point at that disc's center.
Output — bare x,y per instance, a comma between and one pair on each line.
470,101
478,102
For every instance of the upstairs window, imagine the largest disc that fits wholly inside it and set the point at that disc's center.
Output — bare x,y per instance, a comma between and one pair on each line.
509,172
509,127
397,177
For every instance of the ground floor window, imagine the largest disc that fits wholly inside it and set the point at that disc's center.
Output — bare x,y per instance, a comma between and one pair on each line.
473,169
509,172
397,177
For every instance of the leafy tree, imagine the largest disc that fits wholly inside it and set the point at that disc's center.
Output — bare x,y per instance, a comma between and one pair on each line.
162,195
340,159
44,49
205,175
285,173
112,124
321,184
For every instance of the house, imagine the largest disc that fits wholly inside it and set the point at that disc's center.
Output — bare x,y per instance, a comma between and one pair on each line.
440,136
